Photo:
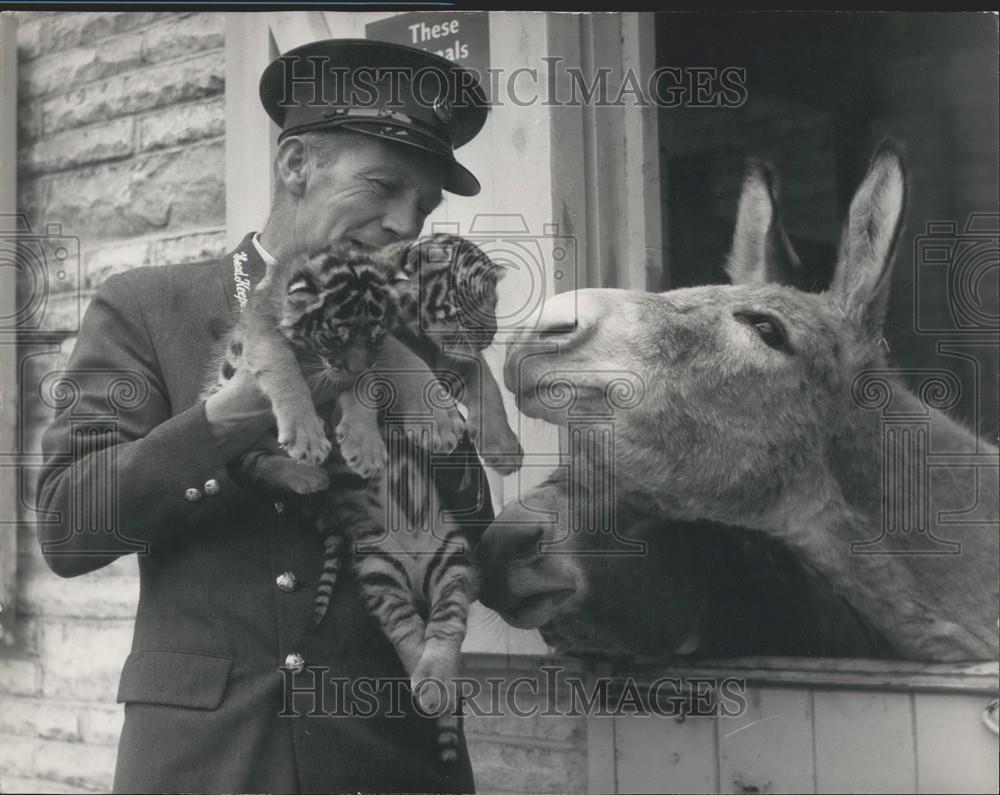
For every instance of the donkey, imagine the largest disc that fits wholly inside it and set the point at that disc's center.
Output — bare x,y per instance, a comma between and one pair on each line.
754,411
668,588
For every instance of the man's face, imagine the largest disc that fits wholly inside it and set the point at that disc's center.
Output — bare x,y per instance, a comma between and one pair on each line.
368,191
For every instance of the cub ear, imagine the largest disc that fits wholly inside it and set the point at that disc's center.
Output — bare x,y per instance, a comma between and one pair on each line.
499,268
303,293
761,252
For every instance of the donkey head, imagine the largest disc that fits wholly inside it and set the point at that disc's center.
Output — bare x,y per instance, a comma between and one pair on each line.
662,588
716,407
723,399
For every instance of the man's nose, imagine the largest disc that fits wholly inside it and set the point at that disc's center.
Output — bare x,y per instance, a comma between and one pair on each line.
403,219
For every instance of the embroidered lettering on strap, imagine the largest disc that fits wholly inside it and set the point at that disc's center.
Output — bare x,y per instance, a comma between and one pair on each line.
244,287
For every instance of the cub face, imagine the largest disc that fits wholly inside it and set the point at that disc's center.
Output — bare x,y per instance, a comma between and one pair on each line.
449,292
337,306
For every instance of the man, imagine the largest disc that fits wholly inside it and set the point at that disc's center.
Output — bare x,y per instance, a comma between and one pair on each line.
223,672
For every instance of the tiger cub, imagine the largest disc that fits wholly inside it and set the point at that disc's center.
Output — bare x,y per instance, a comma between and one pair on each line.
322,321
447,312
446,289
412,558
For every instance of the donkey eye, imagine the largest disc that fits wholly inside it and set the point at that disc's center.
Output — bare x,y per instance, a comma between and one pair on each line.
768,328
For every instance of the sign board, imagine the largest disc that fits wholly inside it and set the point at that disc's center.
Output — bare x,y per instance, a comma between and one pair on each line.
459,36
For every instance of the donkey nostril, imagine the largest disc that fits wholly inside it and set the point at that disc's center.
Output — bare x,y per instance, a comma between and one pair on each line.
524,543
504,544
558,329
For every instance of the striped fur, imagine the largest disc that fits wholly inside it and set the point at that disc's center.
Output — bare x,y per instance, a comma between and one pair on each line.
414,567
447,311
320,323
411,559
315,324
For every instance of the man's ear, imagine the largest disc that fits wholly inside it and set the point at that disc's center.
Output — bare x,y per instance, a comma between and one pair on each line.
290,165
864,262
761,252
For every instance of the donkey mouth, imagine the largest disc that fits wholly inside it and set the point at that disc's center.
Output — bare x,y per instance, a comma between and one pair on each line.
533,610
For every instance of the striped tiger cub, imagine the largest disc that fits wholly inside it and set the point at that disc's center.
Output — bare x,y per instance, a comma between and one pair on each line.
322,321
411,558
446,291
447,312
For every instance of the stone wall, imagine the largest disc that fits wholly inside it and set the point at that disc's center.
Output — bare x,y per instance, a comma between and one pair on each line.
121,135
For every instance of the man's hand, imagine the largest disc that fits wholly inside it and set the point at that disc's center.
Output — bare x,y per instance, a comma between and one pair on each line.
240,409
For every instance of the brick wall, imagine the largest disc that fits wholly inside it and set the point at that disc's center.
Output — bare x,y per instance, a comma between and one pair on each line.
120,135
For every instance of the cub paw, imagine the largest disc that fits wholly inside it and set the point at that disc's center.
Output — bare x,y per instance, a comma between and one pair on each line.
433,683
447,429
441,433
362,448
288,475
498,446
504,463
304,439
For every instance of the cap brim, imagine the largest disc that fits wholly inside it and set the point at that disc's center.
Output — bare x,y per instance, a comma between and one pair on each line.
458,179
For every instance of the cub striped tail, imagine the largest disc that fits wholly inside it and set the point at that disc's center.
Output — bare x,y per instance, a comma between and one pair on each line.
328,579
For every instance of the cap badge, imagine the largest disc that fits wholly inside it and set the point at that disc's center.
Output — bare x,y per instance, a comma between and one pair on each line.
442,109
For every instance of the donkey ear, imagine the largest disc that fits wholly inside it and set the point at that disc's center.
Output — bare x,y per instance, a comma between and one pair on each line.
761,252
867,246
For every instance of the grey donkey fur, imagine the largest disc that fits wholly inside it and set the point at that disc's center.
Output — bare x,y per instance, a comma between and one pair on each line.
748,416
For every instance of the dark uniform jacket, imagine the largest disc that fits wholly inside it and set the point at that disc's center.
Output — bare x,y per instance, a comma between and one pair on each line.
207,704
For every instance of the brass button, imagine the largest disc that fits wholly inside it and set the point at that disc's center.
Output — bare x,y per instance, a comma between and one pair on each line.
295,662
192,495
286,582
212,486
279,507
